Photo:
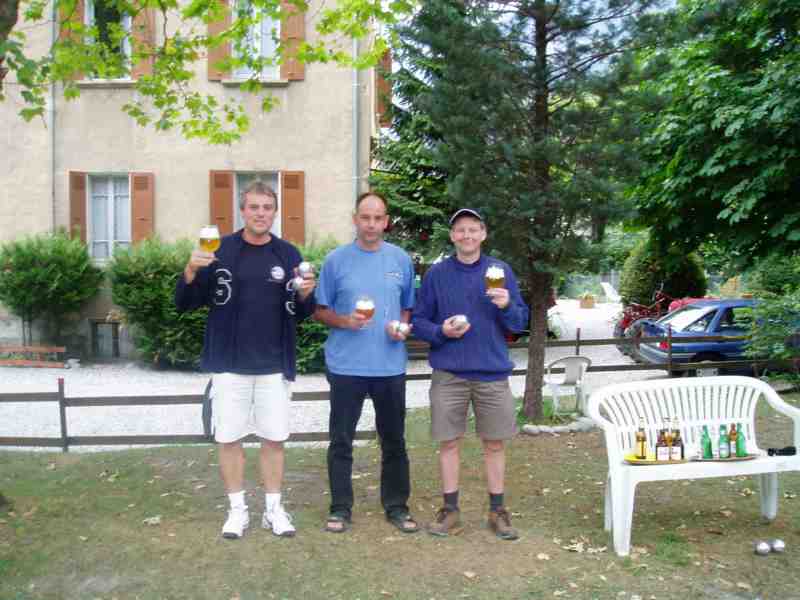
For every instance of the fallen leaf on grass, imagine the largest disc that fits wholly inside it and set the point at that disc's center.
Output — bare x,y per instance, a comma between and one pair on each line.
387,594
789,495
83,538
470,574
559,593
715,531
200,486
744,586
51,467
30,513
152,520
543,556
567,491
573,585
545,491
746,492
726,513
603,577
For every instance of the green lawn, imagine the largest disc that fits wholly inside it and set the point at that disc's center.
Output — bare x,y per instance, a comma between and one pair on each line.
78,528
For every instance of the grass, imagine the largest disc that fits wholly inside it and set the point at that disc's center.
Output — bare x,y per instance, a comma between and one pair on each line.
76,529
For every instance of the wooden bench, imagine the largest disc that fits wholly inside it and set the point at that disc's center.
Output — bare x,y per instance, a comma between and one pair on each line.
695,402
33,356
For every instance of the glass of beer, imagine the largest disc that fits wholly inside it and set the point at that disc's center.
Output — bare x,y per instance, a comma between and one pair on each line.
365,306
209,238
495,277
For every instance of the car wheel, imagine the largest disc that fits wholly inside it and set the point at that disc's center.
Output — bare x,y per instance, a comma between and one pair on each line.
635,331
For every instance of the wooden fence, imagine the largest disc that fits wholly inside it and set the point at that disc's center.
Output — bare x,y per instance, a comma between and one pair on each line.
416,351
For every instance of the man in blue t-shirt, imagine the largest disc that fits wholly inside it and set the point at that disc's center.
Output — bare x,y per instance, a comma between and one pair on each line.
466,305
249,345
366,290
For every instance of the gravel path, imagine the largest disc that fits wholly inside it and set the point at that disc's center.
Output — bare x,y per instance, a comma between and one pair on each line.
41,419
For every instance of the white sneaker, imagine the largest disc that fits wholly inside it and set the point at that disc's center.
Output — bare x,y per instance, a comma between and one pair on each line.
279,521
238,520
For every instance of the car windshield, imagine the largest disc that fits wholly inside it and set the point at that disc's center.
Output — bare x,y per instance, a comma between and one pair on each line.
686,316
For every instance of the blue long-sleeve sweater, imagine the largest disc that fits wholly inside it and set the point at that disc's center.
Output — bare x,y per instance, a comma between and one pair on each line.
451,288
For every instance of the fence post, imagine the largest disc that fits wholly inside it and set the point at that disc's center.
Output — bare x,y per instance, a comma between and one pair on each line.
669,349
62,410
578,341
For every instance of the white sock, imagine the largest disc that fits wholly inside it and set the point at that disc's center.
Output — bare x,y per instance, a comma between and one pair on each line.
237,500
272,500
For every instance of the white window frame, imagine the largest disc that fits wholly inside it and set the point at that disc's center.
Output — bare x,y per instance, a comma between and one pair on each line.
275,176
127,25
259,38
110,212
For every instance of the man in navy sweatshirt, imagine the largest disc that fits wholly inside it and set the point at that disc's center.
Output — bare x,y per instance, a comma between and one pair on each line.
466,305
249,345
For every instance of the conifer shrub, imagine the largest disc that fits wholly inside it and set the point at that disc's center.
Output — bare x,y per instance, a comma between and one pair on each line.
648,267
47,276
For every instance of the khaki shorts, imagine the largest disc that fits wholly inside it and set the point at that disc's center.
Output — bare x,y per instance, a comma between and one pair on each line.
245,404
491,401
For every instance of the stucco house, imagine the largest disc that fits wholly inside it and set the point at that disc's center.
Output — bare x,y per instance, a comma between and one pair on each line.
91,169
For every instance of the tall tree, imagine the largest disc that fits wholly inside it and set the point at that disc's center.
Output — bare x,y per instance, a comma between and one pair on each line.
165,97
725,151
406,172
526,96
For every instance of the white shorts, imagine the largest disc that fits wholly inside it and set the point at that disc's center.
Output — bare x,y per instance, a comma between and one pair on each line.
245,404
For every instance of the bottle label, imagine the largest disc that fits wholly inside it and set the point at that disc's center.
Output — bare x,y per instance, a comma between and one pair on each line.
662,453
675,453
732,450
723,451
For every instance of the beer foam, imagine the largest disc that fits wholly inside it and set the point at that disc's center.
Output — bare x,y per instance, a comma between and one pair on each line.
365,305
208,233
495,272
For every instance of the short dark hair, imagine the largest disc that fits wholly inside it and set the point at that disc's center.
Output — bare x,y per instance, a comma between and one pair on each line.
366,195
262,189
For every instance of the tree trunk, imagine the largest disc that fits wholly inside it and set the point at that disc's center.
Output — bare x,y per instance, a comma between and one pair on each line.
8,18
540,285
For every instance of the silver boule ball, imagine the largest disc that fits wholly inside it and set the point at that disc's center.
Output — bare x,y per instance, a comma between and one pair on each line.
460,321
403,328
762,548
297,282
395,326
305,268
778,545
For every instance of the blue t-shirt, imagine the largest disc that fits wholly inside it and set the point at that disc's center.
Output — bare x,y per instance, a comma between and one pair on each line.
387,276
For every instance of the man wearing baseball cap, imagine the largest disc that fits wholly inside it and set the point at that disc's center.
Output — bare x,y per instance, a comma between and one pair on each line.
466,305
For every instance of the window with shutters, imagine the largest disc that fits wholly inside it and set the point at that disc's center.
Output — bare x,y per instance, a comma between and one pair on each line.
263,37
241,182
109,213
113,31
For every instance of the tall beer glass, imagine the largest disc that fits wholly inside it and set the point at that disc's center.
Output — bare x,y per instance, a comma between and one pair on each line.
209,238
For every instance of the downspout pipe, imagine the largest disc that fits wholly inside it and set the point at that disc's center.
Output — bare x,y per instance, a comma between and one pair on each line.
52,124
356,128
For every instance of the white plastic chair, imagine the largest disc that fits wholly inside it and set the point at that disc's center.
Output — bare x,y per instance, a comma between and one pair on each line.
571,381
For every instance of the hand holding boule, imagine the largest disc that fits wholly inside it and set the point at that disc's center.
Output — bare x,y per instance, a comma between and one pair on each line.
455,326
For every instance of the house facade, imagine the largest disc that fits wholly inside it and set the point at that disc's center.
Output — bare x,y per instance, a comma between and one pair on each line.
89,168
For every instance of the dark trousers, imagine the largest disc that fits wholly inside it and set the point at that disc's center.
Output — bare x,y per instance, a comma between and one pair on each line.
389,399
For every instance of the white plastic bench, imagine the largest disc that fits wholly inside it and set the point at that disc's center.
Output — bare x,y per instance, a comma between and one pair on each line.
695,402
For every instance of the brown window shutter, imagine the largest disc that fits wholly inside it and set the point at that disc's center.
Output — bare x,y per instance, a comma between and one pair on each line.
144,36
77,204
71,15
383,90
221,200
223,51
293,32
143,194
293,210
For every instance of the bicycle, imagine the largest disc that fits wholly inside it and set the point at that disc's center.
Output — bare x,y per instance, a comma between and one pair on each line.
633,312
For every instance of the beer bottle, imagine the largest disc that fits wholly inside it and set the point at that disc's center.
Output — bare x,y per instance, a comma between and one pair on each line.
676,451
741,445
662,447
732,440
705,442
641,441
724,446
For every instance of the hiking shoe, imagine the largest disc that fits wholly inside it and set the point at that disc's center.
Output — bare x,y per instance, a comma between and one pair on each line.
279,521
236,524
500,523
448,522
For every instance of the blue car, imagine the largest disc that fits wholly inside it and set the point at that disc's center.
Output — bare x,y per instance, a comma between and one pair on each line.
702,318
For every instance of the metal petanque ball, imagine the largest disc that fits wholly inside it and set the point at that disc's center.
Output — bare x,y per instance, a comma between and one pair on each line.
762,548
778,545
305,268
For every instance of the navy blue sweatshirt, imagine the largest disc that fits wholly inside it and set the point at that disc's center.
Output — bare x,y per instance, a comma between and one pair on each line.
451,288
218,287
